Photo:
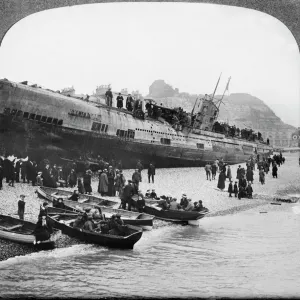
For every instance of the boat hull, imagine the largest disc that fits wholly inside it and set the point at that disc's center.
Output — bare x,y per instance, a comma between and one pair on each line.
24,236
106,240
48,124
190,217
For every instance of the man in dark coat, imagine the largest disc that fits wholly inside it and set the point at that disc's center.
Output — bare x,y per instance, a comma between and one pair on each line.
128,192
109,97
24,171
120,100
17,171
242,182
87,181
238,173
214,169
274,171
136,179
151,172
111,181
129,101
47,178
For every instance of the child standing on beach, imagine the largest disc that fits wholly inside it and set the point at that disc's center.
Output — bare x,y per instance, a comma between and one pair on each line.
235,189
21,207
230,189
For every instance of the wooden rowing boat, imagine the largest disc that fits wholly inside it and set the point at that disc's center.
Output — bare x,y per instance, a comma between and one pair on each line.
20,231
178,216
53,193
65,224
129,217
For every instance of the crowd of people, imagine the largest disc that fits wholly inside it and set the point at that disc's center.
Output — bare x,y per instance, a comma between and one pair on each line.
94,220
242,188
177,117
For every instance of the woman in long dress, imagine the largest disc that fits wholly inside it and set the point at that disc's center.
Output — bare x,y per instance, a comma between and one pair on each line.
221,181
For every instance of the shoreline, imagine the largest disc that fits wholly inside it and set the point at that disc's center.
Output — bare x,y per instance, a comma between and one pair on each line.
166,182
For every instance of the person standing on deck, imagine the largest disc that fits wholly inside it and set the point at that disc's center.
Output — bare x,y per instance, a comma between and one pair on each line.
21,207
208,171
129,101
151,172
109,97
120,100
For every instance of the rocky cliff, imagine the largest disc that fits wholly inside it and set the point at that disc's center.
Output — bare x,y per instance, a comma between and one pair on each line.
241,110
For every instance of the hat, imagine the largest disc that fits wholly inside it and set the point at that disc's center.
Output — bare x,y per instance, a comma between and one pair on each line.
118,215
45,203
148,190
195,203
22,195
40,173
184,195
153,190
189,199
130,181
174,199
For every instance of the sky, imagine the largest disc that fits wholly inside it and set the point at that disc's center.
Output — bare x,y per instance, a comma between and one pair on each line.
129,45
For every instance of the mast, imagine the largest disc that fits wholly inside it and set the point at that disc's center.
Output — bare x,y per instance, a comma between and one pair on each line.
220,101
216,87
226,89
